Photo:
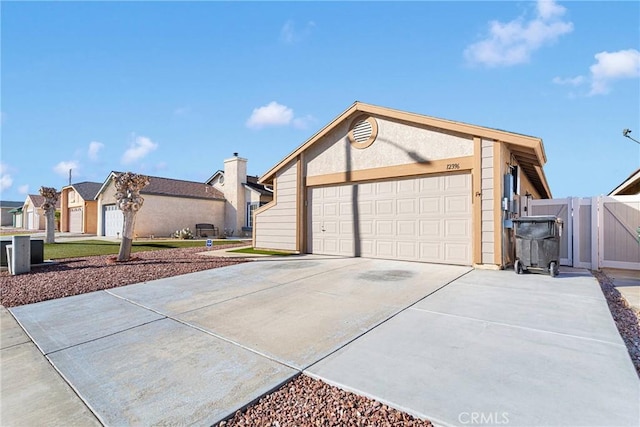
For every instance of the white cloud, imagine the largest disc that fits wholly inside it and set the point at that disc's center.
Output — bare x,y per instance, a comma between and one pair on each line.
140,148
513,42
63,167
94,149
571,81
272,114
609,66
289,34
6,181
23,189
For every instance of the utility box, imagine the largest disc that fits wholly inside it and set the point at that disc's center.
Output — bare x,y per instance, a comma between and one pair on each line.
538,244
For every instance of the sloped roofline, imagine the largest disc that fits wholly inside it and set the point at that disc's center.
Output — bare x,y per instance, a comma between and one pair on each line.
633,179
528,142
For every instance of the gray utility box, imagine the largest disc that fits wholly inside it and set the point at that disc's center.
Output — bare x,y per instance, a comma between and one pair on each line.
37,252
538,244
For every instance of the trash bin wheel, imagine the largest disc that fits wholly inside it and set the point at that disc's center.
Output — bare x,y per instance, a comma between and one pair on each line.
517,267
553,269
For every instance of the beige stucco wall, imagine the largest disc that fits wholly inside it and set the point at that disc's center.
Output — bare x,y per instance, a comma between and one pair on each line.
396,144
161,216
276,223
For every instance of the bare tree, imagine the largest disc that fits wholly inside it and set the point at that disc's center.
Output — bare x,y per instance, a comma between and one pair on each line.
50,195
128,186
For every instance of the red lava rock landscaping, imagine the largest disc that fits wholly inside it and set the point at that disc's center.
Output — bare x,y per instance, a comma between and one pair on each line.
305,401
81,275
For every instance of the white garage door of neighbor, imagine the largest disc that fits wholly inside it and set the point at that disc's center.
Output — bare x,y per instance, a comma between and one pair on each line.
113,221
33,220
75,220
424,219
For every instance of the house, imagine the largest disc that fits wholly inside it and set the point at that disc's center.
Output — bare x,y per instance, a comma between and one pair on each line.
628,187
383,183
169,205
7,212
78,208
33,214
242,192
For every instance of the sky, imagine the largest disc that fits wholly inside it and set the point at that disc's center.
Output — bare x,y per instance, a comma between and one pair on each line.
172,89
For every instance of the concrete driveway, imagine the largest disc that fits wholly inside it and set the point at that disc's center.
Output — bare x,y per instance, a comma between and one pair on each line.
193,349
457,346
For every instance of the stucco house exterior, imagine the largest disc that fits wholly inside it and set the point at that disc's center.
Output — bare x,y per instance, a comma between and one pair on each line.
33,217
169,205
242,192
384,183
78,208
628,187
224,201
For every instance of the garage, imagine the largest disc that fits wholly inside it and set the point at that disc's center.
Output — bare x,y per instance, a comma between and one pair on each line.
75,220
113,221
424,219
33,220
382,183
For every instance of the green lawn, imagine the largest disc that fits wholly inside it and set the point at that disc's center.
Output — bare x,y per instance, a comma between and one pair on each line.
260,252
100,247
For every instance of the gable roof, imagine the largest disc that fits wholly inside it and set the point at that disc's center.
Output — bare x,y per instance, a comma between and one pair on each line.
8,204
629,186
37,200
160,186
528,150
214,176
252,183
87,190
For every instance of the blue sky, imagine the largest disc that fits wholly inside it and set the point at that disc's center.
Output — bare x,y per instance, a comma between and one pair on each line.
173,88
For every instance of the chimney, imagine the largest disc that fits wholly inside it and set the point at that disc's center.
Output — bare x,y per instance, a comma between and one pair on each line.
235,176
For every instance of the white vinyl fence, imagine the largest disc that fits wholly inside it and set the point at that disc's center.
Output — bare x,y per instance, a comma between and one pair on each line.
598,232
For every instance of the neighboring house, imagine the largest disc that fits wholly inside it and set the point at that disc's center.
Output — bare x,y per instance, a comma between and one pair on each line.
32,213
169,205
628,187
242,192
383,183
8,211
79,209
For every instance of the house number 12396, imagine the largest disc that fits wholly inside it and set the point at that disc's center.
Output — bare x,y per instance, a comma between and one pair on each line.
453,166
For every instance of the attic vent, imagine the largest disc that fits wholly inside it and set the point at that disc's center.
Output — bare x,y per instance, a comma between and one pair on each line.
364,131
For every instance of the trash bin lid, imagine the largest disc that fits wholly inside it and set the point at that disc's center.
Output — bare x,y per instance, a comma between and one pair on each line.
538,218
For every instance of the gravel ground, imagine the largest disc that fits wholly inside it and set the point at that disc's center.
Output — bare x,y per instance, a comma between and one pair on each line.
81,275
627,319
305,401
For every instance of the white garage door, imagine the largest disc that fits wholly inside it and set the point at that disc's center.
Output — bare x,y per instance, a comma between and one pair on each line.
113,221
75,220
424,219
33,220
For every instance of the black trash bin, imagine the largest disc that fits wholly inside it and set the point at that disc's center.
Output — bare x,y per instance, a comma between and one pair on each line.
538,244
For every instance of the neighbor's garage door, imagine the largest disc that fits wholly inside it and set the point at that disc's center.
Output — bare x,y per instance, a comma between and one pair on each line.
113,220
75,220
424,219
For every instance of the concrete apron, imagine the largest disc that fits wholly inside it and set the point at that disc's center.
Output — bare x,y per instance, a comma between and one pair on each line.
494,348
194,349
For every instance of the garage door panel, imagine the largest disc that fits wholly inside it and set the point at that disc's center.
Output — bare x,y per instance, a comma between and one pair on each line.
430,229
407,250
457,228
75,220
424,219
431,206
457,205
384,207
406,206
406,228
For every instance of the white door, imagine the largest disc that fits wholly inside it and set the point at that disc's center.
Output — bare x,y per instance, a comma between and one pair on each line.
113,221
75,220
33,220
424,219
